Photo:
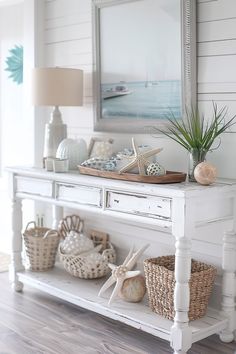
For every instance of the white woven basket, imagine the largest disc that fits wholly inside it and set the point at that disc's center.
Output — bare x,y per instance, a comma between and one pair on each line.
84,266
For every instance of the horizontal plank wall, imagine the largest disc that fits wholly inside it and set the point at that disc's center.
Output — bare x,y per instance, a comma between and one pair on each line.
68,43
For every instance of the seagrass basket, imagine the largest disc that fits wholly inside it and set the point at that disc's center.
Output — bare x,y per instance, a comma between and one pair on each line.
160,282
41,246
90,265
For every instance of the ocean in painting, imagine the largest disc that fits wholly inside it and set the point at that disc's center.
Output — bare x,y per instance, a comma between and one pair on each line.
143,99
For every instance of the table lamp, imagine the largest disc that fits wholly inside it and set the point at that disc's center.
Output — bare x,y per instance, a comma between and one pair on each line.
56,87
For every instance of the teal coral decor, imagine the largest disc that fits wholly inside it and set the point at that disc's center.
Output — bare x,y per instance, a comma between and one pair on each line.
15,64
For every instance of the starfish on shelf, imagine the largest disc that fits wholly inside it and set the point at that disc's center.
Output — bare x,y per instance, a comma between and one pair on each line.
140,159
122,272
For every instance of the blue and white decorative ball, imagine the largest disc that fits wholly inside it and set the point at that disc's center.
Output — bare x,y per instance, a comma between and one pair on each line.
155,169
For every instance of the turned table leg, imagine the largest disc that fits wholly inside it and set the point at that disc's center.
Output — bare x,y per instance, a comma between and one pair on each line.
57,214
16,260
228,285
181,334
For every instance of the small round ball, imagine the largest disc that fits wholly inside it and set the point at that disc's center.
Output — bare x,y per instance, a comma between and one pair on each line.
205,173
133,289
155,169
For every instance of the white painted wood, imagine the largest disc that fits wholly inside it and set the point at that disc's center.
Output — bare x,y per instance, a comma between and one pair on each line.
79,194
34,186
216,10
183,230
84,293
216,48
229,281
181,201
139,204
16,261
57,215
68,33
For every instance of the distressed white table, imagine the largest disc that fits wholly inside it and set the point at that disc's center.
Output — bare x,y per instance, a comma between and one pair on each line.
179,207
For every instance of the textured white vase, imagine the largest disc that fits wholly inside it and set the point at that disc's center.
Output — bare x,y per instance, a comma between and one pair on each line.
73,150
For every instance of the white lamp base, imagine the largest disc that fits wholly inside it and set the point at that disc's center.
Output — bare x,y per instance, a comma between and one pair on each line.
55,132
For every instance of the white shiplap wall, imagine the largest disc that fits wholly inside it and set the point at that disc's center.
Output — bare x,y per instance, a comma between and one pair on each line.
68,42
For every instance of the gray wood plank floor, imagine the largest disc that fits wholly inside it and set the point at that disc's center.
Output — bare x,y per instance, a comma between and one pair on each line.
36,323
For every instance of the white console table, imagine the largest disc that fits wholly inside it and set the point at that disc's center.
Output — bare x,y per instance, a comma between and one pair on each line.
179,207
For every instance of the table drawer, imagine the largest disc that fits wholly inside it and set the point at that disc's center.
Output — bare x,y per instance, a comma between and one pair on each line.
79,194
34,186
146,205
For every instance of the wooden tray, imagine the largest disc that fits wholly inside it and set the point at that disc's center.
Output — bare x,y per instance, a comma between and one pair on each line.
170,177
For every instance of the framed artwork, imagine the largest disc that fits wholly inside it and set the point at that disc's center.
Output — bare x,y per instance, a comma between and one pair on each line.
144,62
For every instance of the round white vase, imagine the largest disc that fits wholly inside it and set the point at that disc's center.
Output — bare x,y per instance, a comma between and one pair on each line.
73,150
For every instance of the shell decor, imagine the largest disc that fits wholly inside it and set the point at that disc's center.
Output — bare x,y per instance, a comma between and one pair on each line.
122,272
100,164
140,159
133,289
76,243
74,150
205,173
155,169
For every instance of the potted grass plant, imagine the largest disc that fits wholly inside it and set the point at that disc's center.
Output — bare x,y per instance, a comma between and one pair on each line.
196,133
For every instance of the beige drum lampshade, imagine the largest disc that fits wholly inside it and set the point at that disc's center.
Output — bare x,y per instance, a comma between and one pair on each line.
56,87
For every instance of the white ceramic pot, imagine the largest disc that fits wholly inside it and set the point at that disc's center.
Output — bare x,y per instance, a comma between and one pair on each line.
73,150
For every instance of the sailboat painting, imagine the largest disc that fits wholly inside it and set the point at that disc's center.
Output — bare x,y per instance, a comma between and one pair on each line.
140,60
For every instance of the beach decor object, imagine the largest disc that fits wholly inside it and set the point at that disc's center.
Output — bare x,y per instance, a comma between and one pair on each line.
140,159
155,169
133,289
122,272
100,163
76,243
205,173
84,257
15,64
196,133
73,150
100,148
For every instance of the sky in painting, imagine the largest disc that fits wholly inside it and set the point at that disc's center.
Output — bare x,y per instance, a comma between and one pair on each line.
140,41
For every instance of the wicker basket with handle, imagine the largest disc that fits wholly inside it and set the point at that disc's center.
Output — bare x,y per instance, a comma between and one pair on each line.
41,246
160,282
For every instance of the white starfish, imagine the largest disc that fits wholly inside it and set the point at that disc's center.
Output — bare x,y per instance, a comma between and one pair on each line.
122,272
140,159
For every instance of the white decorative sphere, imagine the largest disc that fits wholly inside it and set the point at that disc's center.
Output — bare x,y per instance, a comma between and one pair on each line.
73,150
76,243
205,173
155,169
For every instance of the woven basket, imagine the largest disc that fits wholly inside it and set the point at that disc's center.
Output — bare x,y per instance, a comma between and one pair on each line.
41,246
160,282
79,266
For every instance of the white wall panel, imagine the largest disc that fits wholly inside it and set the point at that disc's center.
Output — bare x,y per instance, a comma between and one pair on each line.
215,10
69,43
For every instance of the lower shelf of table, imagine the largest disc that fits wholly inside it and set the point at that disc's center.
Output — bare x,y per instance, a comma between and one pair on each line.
84,294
